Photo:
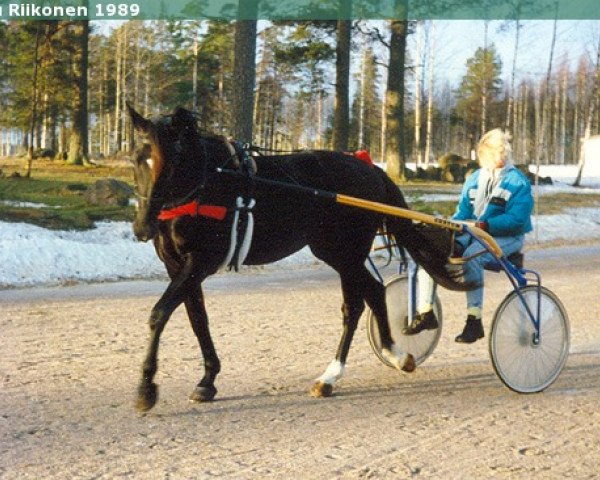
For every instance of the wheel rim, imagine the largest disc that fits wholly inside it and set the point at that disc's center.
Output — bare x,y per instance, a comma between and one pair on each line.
421,345
523,364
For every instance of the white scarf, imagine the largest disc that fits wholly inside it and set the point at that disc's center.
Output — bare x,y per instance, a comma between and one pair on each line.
488,180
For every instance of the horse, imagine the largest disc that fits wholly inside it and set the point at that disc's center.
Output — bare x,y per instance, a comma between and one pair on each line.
181,167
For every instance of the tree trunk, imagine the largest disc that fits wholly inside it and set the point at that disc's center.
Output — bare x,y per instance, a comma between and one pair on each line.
341,114
244,73
44,140
383,132
395,153
361,110
136,84
118,83
418,74
542,135
430,83
526,123
34,100
555,120
78,142
195,72
319,141
104,126
562,136
124,91
511,94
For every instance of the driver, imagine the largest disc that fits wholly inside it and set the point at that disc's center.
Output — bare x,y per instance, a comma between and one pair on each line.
496,198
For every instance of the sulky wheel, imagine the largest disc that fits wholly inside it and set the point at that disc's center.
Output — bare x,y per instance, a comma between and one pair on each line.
421,345
522,363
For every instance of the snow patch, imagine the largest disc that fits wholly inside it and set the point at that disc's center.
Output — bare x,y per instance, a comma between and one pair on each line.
31,255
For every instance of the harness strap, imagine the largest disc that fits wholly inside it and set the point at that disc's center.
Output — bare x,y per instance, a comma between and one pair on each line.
248,234
194,209
238,249
232,240
233,155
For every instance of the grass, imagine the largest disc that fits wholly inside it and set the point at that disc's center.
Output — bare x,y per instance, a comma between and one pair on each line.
61,188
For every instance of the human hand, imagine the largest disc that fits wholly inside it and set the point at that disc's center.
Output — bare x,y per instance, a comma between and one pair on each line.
482,225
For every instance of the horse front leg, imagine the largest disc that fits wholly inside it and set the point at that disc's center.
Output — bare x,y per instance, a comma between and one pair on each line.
173,296
205,391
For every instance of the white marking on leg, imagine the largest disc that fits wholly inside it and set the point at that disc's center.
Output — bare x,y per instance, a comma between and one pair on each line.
334,372
396,356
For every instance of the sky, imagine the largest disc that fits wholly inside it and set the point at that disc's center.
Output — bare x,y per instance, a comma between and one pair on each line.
459,39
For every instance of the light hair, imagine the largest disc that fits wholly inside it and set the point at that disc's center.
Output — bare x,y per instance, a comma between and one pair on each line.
494,150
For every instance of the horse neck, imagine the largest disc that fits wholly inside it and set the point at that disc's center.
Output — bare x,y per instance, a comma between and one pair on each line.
184,180
197,168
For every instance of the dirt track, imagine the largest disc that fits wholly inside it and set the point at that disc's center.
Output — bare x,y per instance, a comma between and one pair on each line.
70,360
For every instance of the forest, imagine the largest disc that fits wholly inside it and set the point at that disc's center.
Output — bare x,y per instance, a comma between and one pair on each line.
343,85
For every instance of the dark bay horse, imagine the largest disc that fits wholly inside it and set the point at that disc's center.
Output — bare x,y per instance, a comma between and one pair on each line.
179,165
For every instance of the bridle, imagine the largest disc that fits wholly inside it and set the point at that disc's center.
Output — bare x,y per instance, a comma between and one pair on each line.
238,154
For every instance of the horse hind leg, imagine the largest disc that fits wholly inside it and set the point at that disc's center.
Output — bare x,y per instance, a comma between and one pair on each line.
352,309
375,298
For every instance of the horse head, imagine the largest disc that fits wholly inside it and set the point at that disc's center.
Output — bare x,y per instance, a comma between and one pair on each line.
142,175
171,164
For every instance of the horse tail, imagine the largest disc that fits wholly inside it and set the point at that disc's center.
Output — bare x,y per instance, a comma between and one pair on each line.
429,246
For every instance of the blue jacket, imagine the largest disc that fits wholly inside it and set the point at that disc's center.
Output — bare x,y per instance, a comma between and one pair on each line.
509,210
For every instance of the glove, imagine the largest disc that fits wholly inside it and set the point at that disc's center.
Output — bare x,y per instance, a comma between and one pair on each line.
483,225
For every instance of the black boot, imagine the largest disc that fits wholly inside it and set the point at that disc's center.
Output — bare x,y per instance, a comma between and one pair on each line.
423,321
472,332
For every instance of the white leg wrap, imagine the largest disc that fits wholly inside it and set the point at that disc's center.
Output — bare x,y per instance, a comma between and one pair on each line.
334,372
396,356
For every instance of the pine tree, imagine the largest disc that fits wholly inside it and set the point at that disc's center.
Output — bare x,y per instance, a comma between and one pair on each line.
482,81
78,143
244,71
395,153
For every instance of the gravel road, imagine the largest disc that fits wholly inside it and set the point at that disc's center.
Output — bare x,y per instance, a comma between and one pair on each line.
70,359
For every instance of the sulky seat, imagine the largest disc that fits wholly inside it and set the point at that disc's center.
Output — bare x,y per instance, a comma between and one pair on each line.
517,259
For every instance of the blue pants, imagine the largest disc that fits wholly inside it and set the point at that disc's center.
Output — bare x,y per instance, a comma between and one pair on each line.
473,270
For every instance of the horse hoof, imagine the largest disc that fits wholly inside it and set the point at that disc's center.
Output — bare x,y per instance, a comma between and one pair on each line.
321,390
409,364
203,394
147,396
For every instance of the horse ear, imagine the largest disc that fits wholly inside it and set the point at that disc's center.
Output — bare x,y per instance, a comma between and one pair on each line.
139,123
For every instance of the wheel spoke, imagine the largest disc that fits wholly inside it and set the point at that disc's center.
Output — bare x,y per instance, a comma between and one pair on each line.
421,345
520,364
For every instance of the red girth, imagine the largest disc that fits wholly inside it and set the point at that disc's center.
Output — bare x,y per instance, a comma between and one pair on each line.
194,209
